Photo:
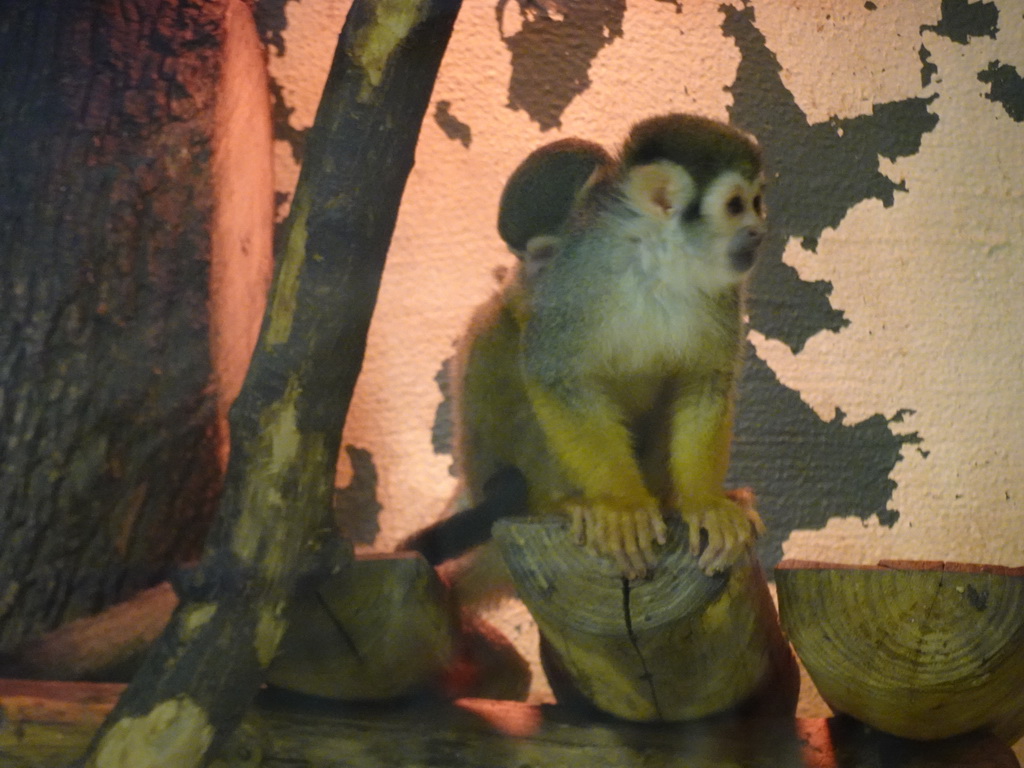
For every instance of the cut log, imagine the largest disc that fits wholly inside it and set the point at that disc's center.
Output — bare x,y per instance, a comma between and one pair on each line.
378,630
46,725
681,646
923,650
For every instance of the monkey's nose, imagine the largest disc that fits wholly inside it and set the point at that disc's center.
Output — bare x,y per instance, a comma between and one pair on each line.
743,248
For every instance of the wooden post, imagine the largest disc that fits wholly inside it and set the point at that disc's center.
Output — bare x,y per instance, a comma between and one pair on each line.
681,646
922,650
379,629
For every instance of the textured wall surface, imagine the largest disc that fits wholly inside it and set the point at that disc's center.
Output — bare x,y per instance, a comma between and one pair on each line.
883,397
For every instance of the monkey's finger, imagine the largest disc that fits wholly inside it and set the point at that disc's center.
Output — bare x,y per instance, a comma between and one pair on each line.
735,535
713,563
756,522
628,543
655,528
577,524
596,533
625,565
608,540
716,552
693,530
650,530
646,554
634,554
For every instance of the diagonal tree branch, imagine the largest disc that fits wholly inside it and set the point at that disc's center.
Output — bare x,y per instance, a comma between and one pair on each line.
286,424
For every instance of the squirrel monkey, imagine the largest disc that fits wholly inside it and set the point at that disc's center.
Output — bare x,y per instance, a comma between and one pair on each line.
603,371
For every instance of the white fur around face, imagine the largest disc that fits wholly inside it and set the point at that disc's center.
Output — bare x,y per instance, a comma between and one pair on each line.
672,272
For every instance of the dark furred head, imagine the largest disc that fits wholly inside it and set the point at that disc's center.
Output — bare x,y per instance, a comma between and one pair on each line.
540,194
705,148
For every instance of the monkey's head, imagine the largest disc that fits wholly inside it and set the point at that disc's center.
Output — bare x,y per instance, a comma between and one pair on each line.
701,180
541,194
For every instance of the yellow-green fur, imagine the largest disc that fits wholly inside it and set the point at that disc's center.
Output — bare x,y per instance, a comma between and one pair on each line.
605,374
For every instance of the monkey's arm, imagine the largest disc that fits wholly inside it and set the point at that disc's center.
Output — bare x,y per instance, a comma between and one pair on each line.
615,514
699,459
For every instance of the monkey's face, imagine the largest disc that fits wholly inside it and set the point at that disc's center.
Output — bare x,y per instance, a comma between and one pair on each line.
732,210
713,233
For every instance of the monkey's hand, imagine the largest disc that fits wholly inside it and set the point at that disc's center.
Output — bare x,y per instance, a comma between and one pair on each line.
626,533
731,528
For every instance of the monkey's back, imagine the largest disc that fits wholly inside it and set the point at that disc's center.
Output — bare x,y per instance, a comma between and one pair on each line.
496,426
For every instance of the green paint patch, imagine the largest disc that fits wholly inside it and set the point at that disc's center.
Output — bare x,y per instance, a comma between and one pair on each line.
1007,88
817,173
286,283
551,57
962,19
803,469
196,617
269,630
393,20
175,733
288,461
806,471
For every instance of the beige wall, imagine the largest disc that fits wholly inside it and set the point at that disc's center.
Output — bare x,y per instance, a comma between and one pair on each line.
932,286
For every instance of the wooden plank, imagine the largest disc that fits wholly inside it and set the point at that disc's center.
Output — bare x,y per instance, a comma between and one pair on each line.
39,730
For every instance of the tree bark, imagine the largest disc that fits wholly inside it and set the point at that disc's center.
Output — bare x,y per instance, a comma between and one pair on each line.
109,468
286,424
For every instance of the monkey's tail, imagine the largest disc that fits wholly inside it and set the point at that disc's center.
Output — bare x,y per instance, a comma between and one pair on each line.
505,495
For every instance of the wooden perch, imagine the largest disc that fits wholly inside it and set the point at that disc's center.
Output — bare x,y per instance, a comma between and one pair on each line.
286,425
378,630
679,647
47,724
385,629
923,650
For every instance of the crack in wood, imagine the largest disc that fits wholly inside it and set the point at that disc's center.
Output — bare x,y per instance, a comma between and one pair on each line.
646,677
343,633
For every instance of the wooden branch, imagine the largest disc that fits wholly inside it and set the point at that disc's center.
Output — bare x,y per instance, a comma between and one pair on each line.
287,421
678,647
48,724
107,646
922,650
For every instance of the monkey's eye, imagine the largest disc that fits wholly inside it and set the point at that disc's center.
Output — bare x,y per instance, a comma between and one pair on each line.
758,205
735,205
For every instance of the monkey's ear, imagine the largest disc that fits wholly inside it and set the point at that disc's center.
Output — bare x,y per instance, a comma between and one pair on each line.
539,251
660,189
541,193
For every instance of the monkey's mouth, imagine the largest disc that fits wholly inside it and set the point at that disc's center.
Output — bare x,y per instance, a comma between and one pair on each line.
743,248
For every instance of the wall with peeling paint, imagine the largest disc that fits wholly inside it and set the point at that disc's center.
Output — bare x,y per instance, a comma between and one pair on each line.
883,398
